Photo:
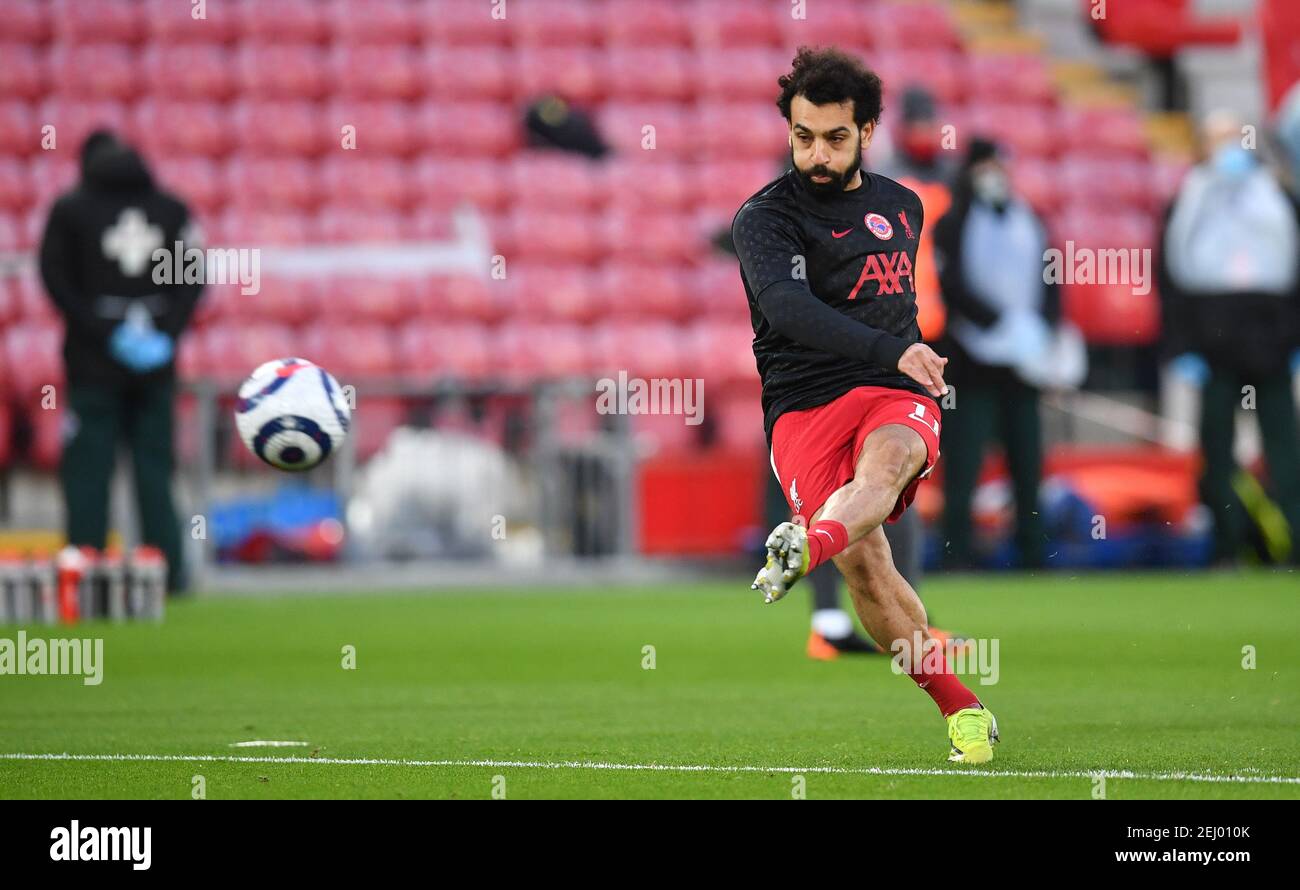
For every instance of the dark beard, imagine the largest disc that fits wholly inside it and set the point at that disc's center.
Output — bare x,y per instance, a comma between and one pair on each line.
837,180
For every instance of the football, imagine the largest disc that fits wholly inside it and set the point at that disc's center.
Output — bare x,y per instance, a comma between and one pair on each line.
292,414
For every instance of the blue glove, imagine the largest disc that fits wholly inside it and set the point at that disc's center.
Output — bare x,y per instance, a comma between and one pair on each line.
141,350
1191,368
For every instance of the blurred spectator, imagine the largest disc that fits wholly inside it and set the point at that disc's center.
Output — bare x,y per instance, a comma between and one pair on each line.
97,259
989,248
1229,278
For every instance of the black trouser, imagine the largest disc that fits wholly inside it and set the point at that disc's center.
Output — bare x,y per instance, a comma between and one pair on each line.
1276,410
981,411
100,418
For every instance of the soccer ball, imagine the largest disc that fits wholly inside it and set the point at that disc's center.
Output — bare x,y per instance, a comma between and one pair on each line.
292,414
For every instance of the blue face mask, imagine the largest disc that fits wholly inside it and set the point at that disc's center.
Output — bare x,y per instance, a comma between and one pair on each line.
1233,161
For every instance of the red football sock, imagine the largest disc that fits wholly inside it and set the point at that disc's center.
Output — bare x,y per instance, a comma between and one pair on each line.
932,675
825,539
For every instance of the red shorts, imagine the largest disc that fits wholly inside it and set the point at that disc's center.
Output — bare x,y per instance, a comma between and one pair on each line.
815,450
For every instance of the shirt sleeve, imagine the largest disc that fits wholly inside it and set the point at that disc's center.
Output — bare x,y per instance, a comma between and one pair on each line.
767,247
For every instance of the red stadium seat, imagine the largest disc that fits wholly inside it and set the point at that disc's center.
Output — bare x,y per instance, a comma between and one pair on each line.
283,71
715,25
172,23
461,24
15,185
272,183
530,350
549,292
722,186
468,73
282,128
47,438
377,72
739,418
651,236
1112,314
436,349
477,129
650,74
540,23
574,73
1102,131
74,119
1028,130
368,298
350,351
444,183
645,182
460,298
912,25
18,133
725,350
371,182
52,175
716,290
380,128
6,426
34,304
374,421
95,71
382,22
743,130
1034,180
554,179
197,178
1105,181
1009,78
555,235
656,129
643,349
1090,225
296,21
24,74
644,290
344,223
827,23
238,227
97,21
189,71
941,71
229,351
27,21
190,128
739,75
34,356
290,301
634,23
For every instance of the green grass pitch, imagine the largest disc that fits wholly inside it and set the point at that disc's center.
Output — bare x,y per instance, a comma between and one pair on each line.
1135,674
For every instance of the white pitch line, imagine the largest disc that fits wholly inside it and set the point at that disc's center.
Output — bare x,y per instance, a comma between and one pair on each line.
677,768
265,743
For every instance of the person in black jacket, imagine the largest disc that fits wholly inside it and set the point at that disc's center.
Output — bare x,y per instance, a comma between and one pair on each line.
989,248
97,259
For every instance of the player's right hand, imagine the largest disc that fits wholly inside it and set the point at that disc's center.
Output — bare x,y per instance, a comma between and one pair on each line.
925,366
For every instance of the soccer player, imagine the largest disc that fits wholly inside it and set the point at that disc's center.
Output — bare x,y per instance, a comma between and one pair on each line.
827,254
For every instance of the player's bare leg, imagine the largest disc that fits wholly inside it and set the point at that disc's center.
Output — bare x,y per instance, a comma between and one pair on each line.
891,456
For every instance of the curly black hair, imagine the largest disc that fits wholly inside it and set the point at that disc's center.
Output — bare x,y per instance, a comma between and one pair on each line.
829,76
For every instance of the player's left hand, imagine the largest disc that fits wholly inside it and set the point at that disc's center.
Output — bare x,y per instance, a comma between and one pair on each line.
925,366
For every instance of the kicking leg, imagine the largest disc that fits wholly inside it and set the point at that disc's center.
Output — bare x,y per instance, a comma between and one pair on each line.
891,457
893,614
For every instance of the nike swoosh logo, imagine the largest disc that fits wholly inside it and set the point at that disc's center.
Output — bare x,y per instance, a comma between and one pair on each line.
822,531
835,234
